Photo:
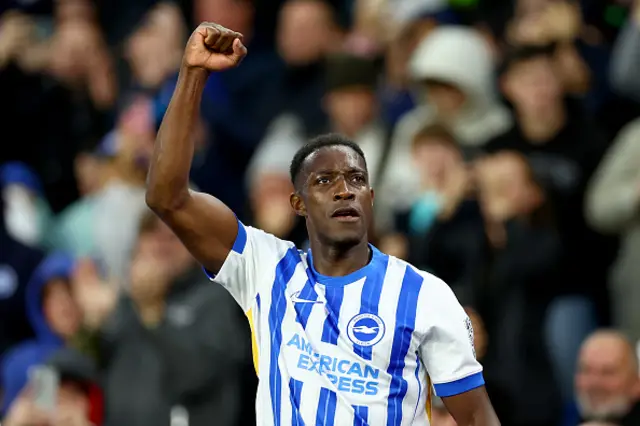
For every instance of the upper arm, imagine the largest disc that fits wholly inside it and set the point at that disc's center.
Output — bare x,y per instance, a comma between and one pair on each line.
447,349
238,257
613,195
206,226
471,408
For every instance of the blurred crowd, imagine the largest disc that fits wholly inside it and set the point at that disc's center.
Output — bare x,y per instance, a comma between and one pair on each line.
502,139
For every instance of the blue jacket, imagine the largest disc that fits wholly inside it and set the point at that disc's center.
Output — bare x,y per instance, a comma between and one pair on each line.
19,359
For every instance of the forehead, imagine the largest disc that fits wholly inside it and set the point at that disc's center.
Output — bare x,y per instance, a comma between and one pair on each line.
604,351
334,158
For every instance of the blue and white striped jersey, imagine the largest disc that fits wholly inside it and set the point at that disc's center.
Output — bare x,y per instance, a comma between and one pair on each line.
362,349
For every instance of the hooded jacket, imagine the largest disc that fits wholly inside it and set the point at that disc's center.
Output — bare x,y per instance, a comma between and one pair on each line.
458,56
20,358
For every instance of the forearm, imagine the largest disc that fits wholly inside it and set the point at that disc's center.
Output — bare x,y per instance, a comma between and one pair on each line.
168,180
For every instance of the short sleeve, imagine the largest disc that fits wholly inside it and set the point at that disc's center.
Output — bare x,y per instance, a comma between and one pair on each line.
250,265
447,349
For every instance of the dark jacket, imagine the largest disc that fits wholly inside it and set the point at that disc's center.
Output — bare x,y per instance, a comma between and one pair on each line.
194,359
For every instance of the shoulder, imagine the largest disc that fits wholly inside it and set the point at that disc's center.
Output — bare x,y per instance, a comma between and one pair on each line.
426,281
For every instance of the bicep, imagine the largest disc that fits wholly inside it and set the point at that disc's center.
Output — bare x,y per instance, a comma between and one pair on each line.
207,228
472,408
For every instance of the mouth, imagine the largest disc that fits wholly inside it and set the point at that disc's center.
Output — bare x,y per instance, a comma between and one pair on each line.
346,214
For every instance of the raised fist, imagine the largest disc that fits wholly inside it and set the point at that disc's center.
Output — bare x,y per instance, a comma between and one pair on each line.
213,47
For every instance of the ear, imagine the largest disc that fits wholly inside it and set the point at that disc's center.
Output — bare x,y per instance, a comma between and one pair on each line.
297,204
372,195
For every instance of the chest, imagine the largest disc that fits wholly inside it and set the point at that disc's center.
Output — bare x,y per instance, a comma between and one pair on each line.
357,337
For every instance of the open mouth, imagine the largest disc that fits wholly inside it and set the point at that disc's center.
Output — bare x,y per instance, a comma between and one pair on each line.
346,214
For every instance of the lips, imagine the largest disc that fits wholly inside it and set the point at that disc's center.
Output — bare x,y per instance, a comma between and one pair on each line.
346,214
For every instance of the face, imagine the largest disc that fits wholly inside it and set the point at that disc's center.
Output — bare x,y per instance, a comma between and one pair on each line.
447,99
304,29
164,245
434,158
60,309
335,198
351,109
533,86
606,380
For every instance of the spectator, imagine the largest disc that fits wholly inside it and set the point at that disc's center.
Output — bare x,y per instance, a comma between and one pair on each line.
563,147
465,101
55,318
186,330
104,224
607,381
444,228
522,261
78,396
613,206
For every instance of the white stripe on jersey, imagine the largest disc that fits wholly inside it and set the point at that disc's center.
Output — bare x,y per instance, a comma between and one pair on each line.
353,350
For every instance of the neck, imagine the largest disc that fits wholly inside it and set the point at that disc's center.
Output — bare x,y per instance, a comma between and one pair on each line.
541,126
336,260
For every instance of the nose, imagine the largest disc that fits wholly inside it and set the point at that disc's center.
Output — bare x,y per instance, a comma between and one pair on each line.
343,192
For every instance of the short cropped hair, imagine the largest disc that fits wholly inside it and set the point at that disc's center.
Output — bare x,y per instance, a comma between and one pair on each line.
435,132
317,143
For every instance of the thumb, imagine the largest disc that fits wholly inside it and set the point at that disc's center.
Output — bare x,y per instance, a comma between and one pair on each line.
239,50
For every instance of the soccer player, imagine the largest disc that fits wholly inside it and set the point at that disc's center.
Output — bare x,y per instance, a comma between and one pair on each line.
343,334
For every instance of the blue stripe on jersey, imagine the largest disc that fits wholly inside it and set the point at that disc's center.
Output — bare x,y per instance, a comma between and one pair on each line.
241,239
326,414
258,301
303,310
419,384
284,272
330,330
459,386
370,299
238,246
405,324
295,390
361,415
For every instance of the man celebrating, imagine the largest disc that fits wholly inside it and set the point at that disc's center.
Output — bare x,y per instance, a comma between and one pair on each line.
344,334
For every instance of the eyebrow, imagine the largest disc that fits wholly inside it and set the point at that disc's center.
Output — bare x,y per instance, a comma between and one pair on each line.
333,171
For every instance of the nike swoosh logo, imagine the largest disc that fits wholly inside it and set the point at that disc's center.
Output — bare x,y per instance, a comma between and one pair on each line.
296,299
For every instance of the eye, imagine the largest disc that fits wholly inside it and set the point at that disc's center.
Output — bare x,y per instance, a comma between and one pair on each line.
359,178
322,180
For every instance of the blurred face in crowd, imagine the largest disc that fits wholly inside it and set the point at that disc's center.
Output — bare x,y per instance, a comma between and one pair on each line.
447,99
351,109
154,51
506,186
161,243
434,156
270,203
533,86
60,309
607,382
88,173
306,30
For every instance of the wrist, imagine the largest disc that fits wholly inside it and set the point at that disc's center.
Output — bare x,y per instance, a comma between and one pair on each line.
190,73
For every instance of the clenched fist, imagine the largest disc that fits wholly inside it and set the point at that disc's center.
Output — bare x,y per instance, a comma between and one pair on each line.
213,47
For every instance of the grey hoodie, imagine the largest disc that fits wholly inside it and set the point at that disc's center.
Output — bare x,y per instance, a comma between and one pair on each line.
461,57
